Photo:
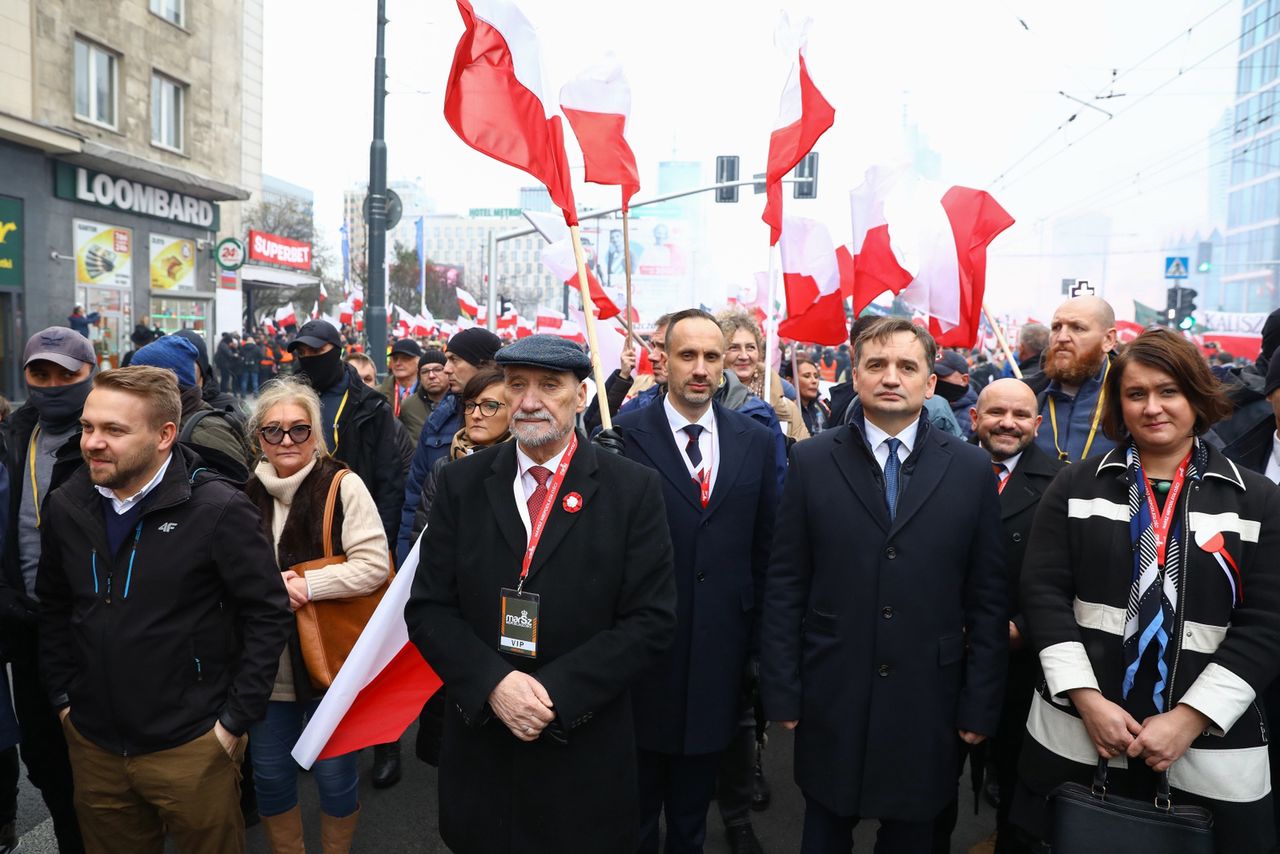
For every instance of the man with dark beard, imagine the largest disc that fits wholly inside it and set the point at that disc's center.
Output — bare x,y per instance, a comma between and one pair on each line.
548,595
1070,391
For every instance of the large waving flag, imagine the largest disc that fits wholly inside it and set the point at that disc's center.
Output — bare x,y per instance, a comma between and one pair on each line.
466,303
381,687
811,277
927,242
559,260
598,103
803,116
494,101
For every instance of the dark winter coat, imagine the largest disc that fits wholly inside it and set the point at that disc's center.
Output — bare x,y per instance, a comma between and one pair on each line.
607,615
181,628
884,638
373,445
433,444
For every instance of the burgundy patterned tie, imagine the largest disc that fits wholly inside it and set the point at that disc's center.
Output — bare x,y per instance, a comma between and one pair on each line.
539,494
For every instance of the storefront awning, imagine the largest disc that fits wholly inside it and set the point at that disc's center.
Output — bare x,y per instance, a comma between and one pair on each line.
95,155
272,277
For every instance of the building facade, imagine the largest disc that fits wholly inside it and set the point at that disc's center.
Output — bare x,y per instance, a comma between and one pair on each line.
129,134
1252,257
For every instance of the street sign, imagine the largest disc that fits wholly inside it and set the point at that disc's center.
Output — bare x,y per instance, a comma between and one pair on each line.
1176,268
229,254
1082,288
395,208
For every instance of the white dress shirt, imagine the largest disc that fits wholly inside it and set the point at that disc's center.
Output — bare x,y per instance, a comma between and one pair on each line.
123,506
1273,464
879,441
708,440
526,483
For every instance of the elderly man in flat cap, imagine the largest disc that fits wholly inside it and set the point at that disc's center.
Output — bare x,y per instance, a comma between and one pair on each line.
547,595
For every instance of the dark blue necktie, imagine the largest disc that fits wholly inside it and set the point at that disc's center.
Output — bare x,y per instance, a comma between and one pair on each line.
691,449
892,467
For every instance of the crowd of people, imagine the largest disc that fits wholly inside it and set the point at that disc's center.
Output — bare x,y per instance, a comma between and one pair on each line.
910,558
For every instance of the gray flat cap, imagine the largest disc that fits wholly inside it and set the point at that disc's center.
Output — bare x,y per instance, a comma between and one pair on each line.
546,351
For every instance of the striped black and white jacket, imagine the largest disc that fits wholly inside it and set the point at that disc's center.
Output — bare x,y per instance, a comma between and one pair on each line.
1075,587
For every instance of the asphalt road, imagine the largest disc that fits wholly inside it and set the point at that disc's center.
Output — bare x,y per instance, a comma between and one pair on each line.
402,820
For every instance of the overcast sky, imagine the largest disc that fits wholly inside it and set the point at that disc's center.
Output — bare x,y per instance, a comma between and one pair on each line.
981,80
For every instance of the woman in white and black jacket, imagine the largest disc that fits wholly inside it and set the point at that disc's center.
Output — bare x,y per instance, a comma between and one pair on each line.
1157,626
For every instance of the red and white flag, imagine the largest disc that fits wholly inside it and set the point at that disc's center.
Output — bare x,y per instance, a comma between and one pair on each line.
927,242
381,687
346,313
285,316
598,103
571,330
803,116
811,277
494,100
524,327
549,320
467,303
1127,330
559,260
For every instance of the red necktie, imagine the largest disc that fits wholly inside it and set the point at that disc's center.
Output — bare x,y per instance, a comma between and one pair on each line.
1001,476
539,494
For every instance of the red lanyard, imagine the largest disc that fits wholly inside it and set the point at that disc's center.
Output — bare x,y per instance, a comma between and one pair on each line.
544,513
703,480
401,394
1160,522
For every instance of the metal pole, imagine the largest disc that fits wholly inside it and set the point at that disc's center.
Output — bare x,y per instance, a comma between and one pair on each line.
375,316
491,314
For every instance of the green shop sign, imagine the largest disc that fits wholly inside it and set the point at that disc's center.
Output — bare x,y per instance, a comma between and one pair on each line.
79,184
11,235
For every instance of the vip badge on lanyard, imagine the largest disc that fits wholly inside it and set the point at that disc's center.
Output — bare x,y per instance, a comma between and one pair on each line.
518,634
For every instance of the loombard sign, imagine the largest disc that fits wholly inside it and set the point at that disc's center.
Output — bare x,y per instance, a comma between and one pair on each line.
121,194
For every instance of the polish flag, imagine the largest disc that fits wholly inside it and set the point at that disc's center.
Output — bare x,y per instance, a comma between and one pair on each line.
549,320
803,116
927,242
559,260
598,103
572,331
467,303
508,320
285,316
812,281
494,101
1127,330
346,313
381,687
524,327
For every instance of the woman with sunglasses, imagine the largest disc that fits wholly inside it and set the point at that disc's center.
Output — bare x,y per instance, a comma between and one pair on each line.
290,486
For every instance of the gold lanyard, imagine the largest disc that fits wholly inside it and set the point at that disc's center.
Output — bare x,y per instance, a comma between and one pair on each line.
1093,428
336,418
31,461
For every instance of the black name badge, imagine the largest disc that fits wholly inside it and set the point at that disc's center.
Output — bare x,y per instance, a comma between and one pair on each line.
519,632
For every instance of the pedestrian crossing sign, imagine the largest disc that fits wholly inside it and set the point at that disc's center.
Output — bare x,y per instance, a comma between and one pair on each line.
1176,268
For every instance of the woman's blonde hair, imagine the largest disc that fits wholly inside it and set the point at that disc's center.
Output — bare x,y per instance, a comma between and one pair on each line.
283,391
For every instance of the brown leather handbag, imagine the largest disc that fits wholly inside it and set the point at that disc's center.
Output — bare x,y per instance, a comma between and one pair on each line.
328,629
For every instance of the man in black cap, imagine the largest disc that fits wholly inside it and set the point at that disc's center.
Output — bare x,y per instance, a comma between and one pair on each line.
44,451
433,383
466,352
952,371
358,425
539,747
401,385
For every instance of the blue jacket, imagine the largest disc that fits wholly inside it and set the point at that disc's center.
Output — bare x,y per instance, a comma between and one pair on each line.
1075,420
433,443
689,703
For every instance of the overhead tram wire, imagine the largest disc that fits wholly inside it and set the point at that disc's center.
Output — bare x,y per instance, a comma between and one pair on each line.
1182,71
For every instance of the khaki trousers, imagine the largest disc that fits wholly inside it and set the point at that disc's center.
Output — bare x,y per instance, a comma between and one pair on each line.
126,804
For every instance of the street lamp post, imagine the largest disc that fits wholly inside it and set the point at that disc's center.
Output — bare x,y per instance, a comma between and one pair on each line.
375,316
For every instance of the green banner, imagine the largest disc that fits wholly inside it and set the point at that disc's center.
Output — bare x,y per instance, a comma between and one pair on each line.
1145,315
11,235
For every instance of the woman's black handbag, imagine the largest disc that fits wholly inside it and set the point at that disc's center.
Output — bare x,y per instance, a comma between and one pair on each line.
1086,820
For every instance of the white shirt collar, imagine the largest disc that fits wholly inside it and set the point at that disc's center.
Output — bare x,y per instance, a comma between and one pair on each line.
124,506
1011,463
524,462
876,436
678,422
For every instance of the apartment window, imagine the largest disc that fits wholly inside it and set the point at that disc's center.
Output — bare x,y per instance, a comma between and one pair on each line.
171,10
96,81
166,112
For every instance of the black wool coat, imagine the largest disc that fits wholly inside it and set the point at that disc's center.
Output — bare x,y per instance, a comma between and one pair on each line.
607,614
883,638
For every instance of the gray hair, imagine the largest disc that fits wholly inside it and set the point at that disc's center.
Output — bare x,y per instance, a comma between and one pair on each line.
283,391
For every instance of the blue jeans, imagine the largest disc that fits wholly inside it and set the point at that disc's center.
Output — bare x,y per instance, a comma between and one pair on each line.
249,381
275,773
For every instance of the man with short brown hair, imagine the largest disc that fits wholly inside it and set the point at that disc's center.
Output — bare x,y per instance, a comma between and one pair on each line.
162,619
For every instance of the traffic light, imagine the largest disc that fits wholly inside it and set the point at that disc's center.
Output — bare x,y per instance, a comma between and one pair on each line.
1204,256
1182,307
727,173
806,168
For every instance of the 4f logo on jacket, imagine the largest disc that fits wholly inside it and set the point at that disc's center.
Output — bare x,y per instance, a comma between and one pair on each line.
168,526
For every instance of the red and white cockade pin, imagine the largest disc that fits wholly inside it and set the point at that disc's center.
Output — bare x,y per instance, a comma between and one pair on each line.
572,503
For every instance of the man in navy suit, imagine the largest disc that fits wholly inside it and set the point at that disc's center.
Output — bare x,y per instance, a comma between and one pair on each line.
720,490
888,622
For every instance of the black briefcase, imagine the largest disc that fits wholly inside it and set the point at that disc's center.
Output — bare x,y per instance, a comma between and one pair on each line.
1087,820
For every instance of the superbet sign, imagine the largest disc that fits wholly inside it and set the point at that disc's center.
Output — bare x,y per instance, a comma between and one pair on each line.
274,249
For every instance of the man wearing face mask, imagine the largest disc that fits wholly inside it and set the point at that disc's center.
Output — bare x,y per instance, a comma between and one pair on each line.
953,386
44,450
